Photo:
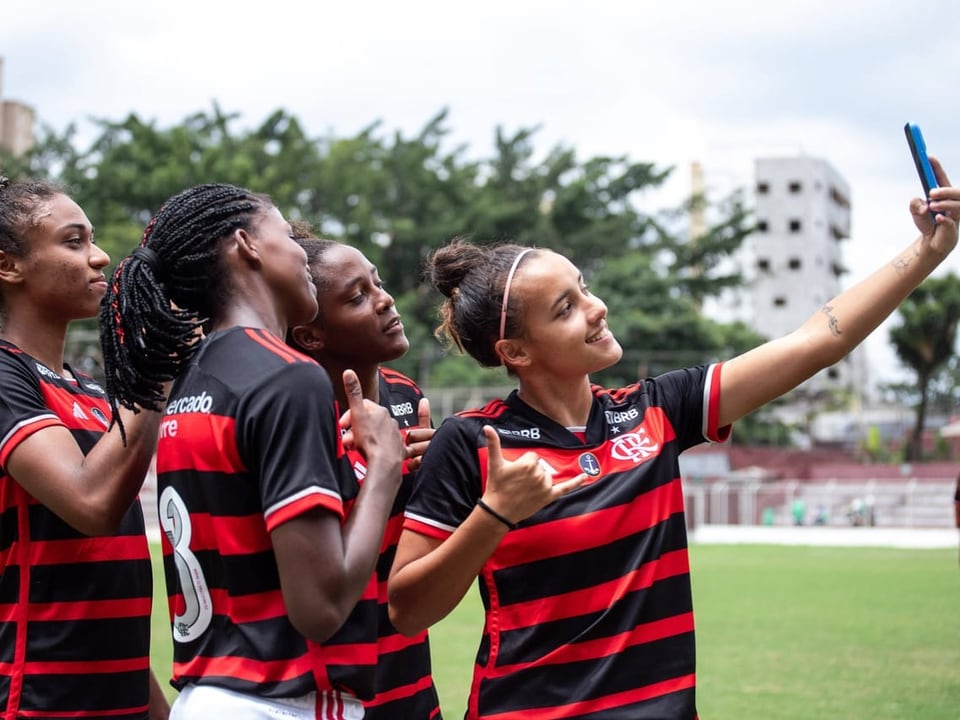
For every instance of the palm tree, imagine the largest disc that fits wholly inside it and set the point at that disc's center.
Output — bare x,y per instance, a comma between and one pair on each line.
925,340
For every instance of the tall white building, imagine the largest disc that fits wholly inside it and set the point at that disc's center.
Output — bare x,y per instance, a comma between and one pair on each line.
16,123
802,215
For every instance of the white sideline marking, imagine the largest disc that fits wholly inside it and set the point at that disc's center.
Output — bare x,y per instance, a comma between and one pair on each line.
826,536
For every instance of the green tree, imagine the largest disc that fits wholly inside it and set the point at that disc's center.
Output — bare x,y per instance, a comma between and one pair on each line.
53,156
132,166
925,340
397,197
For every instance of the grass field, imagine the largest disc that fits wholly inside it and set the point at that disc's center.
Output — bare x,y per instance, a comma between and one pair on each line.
792,633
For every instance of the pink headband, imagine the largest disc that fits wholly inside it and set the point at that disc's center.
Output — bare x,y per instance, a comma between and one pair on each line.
506,290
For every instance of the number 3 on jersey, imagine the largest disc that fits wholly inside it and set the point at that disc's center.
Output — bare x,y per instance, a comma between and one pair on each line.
197,606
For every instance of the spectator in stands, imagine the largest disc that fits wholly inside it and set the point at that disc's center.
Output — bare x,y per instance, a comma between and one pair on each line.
798,508
857,512
870,510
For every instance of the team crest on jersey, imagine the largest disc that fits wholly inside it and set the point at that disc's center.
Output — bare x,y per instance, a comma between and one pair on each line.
100,416
636,446
589,464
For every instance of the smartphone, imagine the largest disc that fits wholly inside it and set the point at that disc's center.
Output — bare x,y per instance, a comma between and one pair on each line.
918,148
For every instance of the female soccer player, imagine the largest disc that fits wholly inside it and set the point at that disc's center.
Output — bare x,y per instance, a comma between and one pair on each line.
75,572
268,542
357,326
565,497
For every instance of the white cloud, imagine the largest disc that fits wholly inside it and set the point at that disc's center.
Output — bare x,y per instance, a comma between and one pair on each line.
719,83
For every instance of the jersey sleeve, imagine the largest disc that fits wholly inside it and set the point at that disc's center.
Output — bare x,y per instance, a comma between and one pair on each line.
691,399
448,482
23,410
289,433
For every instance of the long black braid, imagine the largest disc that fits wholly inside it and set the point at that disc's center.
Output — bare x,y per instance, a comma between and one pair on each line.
161,294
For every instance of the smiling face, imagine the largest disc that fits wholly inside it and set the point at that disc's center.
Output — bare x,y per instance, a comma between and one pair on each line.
565,331
358,320
62,271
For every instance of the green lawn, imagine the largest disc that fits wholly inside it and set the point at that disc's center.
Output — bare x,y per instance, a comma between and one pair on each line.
792,633
801,633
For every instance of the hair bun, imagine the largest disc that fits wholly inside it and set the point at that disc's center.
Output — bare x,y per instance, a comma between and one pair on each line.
450,264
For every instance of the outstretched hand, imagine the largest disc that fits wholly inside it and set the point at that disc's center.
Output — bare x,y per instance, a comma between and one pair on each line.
417,439
518,488
939,231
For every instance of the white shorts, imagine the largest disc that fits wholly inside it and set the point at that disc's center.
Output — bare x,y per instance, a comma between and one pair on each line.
205,702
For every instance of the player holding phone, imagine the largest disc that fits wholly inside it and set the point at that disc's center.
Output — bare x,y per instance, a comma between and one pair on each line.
918,149
565,498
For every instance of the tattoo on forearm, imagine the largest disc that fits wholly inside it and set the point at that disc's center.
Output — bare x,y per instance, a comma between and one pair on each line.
902,263
832,321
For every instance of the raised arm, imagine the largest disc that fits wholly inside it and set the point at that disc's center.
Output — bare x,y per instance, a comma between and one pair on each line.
760,375
90,493
324,568
430,576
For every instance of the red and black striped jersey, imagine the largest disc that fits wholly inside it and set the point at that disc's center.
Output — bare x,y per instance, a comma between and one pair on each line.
249,440
402,676
74,609
588,604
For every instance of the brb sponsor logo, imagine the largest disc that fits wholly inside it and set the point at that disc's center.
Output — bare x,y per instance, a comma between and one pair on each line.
401,409
531,433
618,417
635,446
47,372
201,403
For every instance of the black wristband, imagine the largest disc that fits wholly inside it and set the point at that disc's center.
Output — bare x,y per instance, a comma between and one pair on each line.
483,506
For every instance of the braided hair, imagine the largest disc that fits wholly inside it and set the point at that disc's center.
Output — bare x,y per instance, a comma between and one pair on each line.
163,293
21,202
472,278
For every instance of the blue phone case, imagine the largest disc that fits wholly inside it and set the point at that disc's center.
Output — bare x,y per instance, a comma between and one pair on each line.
918,148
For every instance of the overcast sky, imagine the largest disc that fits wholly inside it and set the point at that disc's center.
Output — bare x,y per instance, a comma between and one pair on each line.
669,82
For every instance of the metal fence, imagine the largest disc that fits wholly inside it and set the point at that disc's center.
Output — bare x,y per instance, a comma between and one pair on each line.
908,503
